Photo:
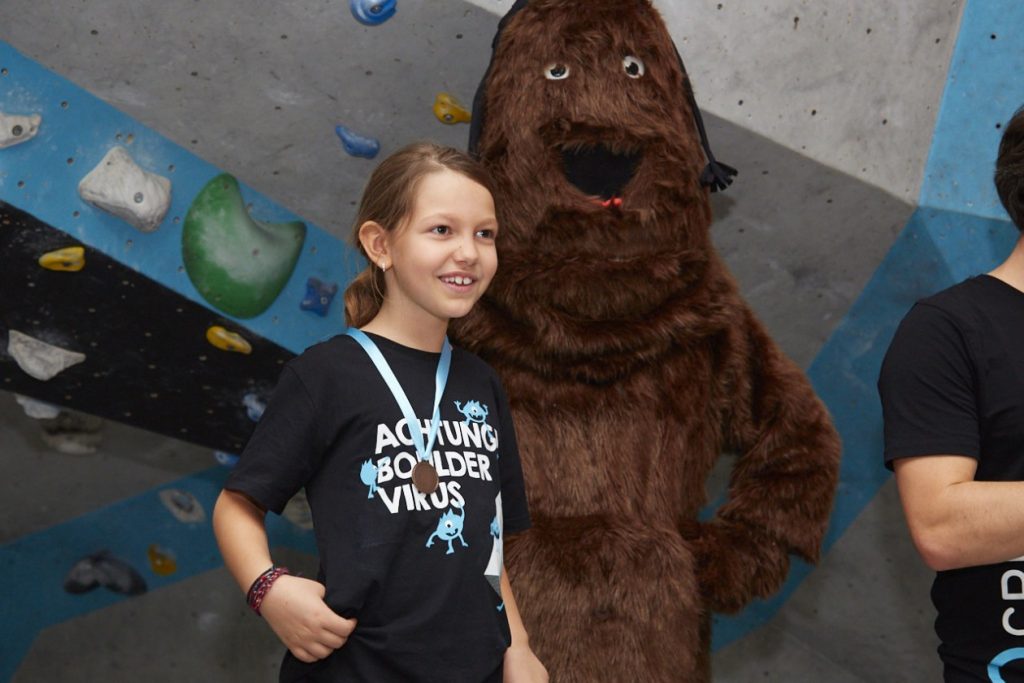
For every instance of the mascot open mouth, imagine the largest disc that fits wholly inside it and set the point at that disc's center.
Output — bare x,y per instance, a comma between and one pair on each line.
600,172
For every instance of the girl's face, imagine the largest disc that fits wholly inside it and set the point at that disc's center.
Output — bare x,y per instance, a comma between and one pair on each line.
443,256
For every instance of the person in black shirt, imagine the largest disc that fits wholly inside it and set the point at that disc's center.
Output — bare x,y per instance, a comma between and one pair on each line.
407,452
952,390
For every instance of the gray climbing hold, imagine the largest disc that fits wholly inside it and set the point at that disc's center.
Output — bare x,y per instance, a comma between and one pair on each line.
73,433
120,186
16,129
297,511
39,359
183,505
107,570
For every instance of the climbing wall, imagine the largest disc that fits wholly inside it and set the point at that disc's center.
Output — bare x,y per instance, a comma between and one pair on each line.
171,294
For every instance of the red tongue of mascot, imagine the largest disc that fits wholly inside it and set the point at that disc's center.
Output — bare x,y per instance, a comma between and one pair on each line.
631,362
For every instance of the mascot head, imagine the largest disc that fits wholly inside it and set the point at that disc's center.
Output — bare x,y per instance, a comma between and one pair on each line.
586,119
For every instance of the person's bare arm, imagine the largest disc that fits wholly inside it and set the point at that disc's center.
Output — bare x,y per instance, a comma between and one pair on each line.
294,606
241,537
956,521
521,664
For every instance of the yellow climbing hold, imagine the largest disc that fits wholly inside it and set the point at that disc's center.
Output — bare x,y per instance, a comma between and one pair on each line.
448,110
71,259
161,560
227,341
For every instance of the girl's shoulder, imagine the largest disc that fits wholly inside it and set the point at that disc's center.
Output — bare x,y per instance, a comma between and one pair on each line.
471,365
326,361
327,350
472,362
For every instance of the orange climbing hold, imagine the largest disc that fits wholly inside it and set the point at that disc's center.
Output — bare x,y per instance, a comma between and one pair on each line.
70,259
161,560
227,341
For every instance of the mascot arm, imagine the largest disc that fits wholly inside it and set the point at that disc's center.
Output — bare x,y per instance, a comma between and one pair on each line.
783,482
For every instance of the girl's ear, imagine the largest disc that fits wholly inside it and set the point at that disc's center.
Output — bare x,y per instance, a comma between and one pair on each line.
374,239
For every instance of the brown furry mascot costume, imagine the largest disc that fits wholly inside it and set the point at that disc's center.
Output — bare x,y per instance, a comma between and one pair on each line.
631,361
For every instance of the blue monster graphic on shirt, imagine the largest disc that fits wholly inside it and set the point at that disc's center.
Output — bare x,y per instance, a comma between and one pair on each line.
1005,657
473,411
449,527
368,475
495,527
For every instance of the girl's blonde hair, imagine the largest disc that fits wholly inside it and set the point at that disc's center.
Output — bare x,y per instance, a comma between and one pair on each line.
388,200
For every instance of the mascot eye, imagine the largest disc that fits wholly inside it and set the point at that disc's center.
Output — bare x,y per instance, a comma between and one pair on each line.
556,71
634,66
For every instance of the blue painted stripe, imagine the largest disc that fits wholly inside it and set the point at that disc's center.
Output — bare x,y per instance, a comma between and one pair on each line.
984,87
37,177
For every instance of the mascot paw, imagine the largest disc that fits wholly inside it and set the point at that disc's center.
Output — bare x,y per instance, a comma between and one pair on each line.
737,563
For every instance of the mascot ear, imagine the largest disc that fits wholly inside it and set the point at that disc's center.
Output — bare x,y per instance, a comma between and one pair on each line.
476,123
715,175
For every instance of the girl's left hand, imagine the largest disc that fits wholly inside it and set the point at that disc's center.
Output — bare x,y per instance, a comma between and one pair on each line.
522,666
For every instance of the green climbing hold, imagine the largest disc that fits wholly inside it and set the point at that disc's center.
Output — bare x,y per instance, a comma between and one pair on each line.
239,265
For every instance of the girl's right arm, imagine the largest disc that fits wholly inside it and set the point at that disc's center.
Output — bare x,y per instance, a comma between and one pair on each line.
294,607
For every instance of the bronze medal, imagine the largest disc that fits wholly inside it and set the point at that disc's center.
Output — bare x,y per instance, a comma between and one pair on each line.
424,477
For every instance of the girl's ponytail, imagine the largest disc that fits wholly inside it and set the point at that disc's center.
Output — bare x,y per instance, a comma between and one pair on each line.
364,296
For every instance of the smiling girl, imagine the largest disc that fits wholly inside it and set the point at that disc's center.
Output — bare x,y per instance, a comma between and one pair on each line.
411,492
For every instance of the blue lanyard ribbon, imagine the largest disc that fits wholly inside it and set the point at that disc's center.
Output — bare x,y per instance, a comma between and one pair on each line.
440,380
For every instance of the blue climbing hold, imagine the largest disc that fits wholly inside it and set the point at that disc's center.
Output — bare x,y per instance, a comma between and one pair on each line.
254,406
373,12
357,145
319,296
226,459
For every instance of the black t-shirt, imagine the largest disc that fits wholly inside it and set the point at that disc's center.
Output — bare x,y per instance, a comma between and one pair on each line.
418,571
952,383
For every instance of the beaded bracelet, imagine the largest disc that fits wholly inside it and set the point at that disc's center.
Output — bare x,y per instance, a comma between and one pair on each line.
259,588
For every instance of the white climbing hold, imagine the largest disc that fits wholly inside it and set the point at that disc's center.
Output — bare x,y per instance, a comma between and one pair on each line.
17,129
39,410
120,186
39,359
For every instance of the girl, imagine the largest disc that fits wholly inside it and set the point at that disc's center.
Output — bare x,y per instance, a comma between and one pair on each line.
407,453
